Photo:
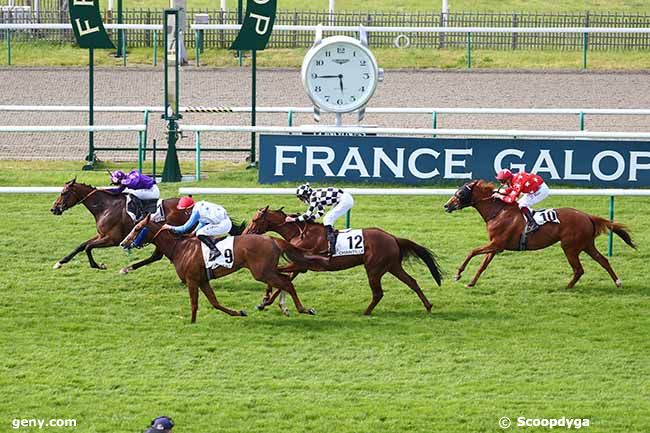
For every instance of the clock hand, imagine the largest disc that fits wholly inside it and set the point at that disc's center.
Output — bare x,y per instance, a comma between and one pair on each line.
341,82
327,76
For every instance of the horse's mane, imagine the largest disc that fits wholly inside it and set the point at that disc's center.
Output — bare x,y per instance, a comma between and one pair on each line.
485,187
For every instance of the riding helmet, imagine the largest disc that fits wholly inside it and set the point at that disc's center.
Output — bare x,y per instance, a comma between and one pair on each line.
185,202
504,174
303,191
117,176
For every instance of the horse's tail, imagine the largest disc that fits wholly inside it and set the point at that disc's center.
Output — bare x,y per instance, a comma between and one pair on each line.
601,225
300,256
237,230
410,249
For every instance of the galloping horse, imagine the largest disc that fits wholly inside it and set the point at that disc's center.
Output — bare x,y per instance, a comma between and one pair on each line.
112,221
383,253
259,254
505,224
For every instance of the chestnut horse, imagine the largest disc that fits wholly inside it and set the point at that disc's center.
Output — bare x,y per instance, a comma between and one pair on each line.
576,231
259,254
383,253
112,221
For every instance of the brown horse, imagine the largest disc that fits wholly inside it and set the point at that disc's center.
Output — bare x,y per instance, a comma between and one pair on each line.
383,253
112,221
259,254
505,224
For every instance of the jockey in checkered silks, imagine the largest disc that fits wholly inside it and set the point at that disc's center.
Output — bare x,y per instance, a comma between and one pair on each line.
317,199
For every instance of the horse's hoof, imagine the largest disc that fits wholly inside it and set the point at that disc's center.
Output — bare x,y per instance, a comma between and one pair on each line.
456,277
618,283
311,312
286,312
125,270
57,265
469,286
259,307
102,267
243,313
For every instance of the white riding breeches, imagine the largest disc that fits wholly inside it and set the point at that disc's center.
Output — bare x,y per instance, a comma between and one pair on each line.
152,193
345,204
219,229
531,199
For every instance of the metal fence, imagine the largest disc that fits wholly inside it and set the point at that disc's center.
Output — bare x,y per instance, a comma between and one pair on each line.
296,39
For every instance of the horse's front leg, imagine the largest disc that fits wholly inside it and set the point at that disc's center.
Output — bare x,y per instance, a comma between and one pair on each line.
484,264
101,242
155,256
475,252
74,252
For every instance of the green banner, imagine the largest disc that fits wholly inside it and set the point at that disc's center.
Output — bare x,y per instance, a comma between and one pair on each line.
87,24
257,26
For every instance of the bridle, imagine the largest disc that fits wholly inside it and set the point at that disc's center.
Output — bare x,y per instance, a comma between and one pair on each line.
73,192
475,202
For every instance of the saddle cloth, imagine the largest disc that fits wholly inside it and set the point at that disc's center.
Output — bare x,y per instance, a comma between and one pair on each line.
227,257
349,243
543,216
154,207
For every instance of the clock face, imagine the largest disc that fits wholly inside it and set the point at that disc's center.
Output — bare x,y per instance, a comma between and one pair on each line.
340,76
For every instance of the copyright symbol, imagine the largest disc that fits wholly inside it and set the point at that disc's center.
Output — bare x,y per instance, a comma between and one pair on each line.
504,422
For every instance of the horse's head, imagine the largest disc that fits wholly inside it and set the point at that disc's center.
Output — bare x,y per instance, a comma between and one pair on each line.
469,194
260,222
68,197
139,235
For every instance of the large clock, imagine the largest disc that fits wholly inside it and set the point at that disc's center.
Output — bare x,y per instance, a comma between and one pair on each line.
340,74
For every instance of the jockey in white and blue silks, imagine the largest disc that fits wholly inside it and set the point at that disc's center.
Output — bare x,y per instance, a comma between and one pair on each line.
135,183
213,221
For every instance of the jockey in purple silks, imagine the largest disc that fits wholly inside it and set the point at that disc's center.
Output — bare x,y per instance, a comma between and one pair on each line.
135,183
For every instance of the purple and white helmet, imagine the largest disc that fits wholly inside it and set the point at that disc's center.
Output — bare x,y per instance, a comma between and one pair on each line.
117,176
303,191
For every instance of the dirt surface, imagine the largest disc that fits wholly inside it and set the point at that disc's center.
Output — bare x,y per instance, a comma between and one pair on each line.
282,87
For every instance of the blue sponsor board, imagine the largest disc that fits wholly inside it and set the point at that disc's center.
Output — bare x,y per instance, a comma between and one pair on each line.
409,160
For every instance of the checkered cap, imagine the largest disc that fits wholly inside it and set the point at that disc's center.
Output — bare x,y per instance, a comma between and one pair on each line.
304,190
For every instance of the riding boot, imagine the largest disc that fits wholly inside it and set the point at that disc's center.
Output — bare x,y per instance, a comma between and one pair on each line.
331,239
214,251
531,225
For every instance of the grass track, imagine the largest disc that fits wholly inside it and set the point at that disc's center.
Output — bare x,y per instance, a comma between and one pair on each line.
114,351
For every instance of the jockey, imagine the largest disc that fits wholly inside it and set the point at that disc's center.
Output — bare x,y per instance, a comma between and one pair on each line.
135,183
213,221
317,199
530,185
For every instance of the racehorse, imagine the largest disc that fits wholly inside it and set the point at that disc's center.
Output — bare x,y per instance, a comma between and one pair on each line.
259,254
383,253
505,224
112,221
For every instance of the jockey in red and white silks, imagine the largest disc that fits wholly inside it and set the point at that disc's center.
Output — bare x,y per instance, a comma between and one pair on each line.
533,188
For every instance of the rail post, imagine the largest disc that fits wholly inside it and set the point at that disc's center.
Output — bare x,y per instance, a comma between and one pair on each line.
8,37
153,159
434,121
123,46
610,238
146,133
196,47
584,50
198,156
347,219
469,50
155,47
140,151
290,118
582,121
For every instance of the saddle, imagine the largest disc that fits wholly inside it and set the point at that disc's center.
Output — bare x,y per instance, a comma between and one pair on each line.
541,217
137,208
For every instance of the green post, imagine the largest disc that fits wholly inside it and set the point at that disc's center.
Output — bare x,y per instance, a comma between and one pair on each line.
582,121
8,37
123,46
90,158
290,118
198,155
610,239
155,47
196,46
146,133
140,151
253,106
469,50
584,51
153,159
120,20
172,169
434,121
347,220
